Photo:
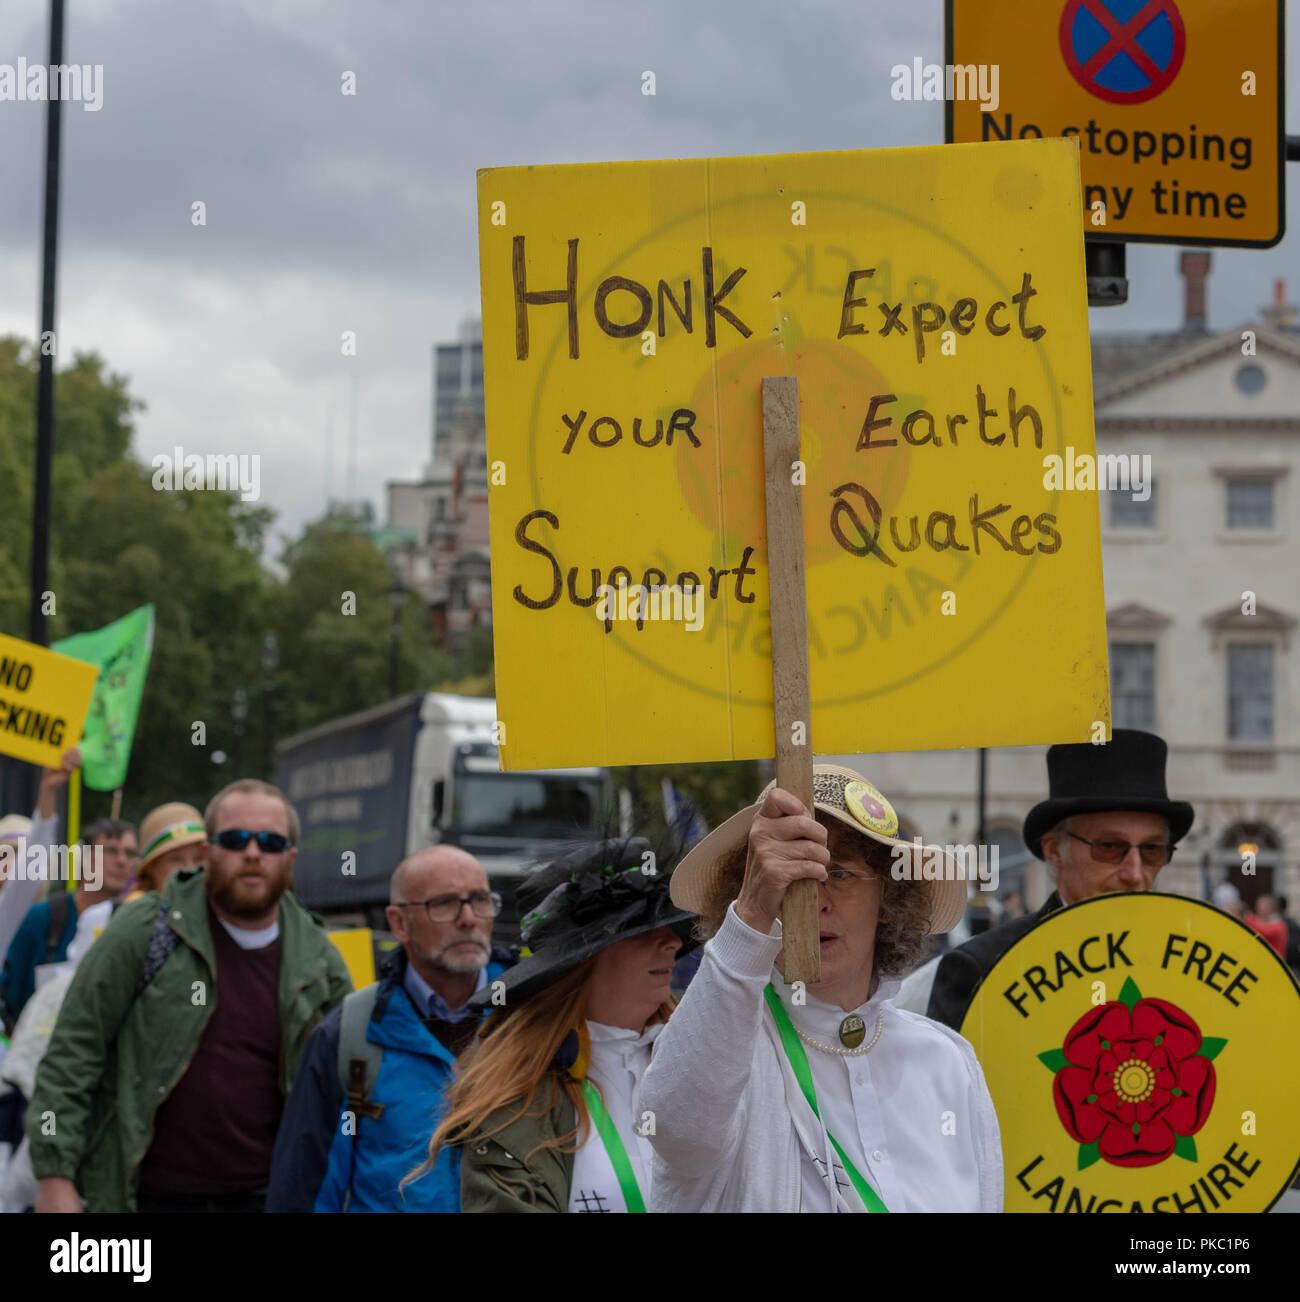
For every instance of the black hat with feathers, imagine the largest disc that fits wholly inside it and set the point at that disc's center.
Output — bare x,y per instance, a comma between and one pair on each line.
587,899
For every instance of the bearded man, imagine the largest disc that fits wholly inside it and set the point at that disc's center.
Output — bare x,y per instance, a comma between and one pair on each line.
182,1030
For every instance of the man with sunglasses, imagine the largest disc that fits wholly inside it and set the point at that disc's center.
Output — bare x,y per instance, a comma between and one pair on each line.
182,1031
1107,826
374,1071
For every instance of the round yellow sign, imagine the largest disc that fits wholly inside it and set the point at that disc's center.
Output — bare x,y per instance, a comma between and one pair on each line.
870,808
1143,1053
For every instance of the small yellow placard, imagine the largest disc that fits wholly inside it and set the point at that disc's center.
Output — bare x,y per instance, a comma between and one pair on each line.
932,304
1176,106
44,697
1142,1051
356,945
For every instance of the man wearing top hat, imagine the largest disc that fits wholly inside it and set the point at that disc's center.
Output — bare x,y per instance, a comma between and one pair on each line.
1107,826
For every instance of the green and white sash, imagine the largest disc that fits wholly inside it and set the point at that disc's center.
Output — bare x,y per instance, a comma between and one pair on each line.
798,1059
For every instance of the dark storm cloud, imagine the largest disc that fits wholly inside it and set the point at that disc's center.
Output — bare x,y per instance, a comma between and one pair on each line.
327,212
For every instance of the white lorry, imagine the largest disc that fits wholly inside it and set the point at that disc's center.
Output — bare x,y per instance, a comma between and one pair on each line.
374,787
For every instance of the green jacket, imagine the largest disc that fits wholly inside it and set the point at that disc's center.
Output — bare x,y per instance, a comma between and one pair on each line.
504,1174
113,1058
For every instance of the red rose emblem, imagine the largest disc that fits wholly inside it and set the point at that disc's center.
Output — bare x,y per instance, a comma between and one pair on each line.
873,807
1134,1081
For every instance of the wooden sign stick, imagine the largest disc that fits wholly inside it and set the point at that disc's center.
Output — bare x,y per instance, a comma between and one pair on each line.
791,692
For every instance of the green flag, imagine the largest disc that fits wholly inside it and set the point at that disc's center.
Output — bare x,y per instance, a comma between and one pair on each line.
121,650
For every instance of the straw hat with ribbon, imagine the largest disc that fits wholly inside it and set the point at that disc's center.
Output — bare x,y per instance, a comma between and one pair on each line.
165,829
849,798
14,827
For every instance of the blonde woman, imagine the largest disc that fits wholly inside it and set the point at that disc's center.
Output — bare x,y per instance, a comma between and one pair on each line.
542,1113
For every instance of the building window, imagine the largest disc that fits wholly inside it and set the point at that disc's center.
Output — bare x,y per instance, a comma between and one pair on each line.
1250,379
1126,512
1133,685
1250,691
1250,504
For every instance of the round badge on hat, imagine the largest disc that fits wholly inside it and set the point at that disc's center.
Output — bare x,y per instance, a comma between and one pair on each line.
870,808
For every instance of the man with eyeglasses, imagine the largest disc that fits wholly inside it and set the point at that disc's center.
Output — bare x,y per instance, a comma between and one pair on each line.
1107,826
374,1071
181,1033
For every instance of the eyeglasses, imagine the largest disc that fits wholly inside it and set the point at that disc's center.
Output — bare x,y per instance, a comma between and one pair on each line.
237,838
1155,854
446,908
840,880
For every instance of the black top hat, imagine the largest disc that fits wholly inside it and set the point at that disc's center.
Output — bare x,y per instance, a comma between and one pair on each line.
1126,773
584,902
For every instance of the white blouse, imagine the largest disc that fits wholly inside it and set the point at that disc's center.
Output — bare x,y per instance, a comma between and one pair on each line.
732,1129
619,1058
900,1111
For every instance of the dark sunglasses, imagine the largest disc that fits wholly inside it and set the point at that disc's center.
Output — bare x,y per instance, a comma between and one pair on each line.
1155,854
237,838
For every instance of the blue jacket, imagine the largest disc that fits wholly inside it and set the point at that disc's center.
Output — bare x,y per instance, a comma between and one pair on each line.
27,953
314,1158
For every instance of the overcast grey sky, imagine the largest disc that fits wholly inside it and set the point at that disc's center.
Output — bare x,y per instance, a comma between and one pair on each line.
328,213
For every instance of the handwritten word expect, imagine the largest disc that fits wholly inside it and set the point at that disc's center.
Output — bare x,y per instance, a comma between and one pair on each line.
930,317
619,576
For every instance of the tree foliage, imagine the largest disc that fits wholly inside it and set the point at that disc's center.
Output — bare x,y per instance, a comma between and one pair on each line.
116,543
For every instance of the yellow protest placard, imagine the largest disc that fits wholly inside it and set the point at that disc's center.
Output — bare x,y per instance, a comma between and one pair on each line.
1141,1051
44,697
931,303
356,945
1176,105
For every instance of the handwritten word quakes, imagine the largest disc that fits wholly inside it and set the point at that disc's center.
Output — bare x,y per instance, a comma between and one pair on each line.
941,532
930,317
618,576
642,303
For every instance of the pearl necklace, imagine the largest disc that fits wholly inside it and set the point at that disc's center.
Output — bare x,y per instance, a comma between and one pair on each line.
845,1053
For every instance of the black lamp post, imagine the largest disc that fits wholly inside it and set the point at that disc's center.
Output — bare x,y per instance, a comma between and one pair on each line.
396,600
270,663
239,712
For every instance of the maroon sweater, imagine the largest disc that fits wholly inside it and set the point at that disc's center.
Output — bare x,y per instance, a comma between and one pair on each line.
215,1131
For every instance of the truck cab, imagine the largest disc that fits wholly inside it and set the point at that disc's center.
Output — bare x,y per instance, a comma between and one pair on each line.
508,821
